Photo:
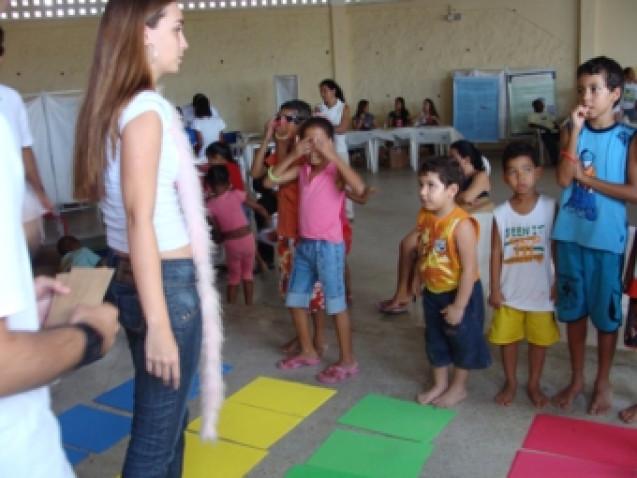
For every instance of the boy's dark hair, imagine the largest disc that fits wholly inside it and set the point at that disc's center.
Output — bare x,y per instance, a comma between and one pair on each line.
538,105
466,149
67,244
317,122
608,68
447,169
303,110
218,148
332,85
1,42
515,149
217,176
201,106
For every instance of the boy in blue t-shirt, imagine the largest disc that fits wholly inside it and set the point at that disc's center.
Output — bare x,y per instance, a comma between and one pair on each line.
598,170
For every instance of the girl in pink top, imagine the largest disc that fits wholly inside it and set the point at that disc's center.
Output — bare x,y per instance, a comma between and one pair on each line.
320,253
232,228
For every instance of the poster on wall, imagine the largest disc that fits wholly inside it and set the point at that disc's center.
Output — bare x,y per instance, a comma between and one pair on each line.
476,103
286,88
523,88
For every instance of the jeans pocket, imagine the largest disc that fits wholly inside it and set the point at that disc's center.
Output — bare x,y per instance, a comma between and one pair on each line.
183,305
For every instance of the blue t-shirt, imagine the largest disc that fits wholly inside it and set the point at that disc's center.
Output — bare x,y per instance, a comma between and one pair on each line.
588,217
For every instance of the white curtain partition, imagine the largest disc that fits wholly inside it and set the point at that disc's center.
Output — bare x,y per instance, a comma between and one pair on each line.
52,117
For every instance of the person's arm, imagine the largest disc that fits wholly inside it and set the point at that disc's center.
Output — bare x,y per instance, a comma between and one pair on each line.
33,177
622,191
258,168
140,151
346,122
465,237
348,176
34,359
567,165
479,184
256,207
360,198
199,143
287,170
496,299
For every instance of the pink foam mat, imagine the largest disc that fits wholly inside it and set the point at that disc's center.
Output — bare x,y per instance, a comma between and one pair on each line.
535,464
583,439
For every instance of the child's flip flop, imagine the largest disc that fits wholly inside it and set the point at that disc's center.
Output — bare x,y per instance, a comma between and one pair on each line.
297,361
386,308
337,373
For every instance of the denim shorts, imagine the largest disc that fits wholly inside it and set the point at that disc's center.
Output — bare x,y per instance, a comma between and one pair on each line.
323,261
589,282
462,345
160,412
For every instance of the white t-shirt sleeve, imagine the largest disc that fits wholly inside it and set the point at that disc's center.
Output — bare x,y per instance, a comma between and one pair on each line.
13,297
26,138
142,103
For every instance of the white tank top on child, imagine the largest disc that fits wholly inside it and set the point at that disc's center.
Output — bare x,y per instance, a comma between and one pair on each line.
335,114
527,268
168,219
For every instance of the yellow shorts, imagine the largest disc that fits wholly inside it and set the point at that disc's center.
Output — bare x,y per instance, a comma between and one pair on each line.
510,325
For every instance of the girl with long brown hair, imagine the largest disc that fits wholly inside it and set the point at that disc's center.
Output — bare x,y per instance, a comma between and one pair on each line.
132,156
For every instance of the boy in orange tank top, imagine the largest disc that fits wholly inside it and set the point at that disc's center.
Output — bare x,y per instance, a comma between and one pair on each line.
452,296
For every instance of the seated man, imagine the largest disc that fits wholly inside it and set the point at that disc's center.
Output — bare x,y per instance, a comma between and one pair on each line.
549,129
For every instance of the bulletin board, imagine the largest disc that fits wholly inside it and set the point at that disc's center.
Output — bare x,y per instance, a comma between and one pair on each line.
522,88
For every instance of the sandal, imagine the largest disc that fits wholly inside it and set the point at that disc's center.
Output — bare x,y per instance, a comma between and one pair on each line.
297,361
337,373
386,307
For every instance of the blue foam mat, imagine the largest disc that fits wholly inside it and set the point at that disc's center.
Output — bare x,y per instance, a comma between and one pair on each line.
121,397
75,456
91,429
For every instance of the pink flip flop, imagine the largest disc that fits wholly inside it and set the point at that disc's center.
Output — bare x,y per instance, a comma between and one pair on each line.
385,307
297,361
337,373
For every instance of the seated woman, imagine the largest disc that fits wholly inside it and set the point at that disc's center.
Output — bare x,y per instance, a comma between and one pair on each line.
399,116
429,115
363,119
474,196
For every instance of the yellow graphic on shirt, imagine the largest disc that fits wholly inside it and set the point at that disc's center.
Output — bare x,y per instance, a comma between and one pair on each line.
439,265
523,244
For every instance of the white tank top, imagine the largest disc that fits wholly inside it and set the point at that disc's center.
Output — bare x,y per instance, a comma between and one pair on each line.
527,268
168,219
334,114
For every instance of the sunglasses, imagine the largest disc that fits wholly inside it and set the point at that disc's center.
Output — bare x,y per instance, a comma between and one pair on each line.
289,118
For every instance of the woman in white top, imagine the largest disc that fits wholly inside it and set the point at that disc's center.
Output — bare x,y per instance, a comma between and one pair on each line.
131,153
208,124
338,113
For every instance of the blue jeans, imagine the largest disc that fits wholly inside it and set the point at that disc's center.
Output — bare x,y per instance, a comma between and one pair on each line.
160,413
323,261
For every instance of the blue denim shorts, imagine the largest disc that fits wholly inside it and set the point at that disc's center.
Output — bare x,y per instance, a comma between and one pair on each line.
323,261
589,282
462,345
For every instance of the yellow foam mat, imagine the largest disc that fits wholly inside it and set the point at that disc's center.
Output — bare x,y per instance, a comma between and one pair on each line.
218,460
256,427
291,398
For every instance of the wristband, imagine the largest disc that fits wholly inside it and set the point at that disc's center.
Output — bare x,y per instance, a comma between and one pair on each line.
566,155
273,177
93,348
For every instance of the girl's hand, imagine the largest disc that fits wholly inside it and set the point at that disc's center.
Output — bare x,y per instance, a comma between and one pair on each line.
496,299
162,355
269,128
453,314
326,149
303,148
45,289
578,116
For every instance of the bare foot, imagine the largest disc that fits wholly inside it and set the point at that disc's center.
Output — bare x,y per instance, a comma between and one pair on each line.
628,415
451,397
430,395
291,347
601,402
506,395
564,399
537,397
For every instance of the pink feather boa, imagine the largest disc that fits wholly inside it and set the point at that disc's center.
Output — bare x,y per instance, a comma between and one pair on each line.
191,201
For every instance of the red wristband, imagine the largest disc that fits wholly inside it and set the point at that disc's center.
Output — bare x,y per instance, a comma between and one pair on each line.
565,154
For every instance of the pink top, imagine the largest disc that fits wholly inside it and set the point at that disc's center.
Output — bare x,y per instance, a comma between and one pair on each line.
227,211
320,204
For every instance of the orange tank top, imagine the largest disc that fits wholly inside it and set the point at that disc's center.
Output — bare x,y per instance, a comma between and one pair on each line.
438,258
